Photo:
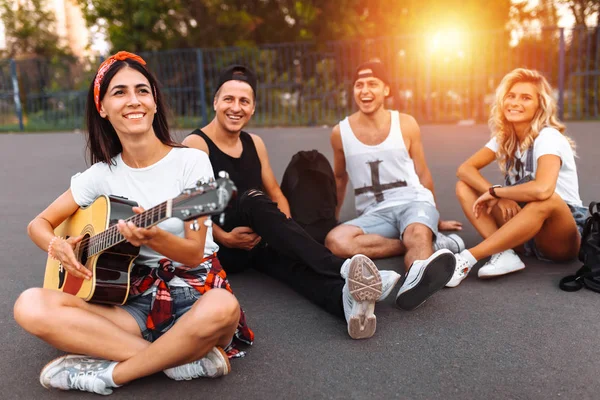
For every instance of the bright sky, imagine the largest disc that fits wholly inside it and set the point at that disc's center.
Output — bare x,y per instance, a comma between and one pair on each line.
566,19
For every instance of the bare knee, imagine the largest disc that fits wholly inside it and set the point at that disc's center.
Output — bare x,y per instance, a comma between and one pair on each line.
218,310
339,241
544,208
417,235
464,192
32,310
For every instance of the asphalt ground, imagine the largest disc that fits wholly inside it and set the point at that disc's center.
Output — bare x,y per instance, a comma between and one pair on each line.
515,337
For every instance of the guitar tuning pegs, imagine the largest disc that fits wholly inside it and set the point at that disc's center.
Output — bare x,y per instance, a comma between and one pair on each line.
223,174
195,226
203,181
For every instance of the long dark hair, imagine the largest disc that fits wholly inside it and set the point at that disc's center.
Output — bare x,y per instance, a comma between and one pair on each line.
102,141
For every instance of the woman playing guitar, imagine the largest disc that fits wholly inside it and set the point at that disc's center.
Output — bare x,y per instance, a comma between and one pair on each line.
172,321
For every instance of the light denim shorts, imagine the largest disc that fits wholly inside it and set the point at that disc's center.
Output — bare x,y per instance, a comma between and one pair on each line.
392,222
139,308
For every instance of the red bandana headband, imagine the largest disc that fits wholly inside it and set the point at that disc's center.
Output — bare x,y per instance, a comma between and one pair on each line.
105,66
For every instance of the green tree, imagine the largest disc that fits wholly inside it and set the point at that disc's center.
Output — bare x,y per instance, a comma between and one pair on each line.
30,29
159,24
581,45
136,25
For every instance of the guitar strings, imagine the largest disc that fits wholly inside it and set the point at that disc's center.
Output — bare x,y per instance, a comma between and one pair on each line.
112,231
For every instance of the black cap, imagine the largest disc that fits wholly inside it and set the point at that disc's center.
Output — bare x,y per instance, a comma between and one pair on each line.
237,73
377,71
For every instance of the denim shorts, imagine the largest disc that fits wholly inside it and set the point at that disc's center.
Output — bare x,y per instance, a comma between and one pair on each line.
139,308
391,222
580,214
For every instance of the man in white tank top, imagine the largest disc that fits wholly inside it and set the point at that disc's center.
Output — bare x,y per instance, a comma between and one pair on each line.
348,288
381,153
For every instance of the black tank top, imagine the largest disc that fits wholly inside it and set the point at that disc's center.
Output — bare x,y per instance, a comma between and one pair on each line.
244,171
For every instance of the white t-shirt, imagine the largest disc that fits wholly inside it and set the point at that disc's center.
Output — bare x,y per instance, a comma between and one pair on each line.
551,141
181,168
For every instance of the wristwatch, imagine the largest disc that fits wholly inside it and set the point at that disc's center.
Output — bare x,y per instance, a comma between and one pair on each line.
492,191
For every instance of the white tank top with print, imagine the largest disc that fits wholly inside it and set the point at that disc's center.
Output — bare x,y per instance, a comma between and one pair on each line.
383,175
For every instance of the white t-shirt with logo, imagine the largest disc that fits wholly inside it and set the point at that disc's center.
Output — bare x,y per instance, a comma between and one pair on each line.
180,169
550,141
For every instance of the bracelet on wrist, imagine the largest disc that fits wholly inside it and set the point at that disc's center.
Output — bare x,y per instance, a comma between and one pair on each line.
51,249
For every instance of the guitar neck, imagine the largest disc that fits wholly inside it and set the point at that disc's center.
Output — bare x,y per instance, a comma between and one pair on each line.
111,237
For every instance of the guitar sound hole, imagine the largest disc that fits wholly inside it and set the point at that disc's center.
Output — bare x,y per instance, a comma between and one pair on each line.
84,250
81,252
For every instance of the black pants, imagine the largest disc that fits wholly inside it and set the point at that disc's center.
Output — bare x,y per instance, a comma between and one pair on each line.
287,253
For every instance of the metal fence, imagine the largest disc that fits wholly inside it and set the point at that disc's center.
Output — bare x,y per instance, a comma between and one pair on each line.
440,78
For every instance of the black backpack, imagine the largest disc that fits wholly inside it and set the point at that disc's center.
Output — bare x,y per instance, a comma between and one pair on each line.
589,254
309,186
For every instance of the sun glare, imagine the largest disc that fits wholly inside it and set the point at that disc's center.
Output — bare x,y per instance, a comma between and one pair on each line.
447,42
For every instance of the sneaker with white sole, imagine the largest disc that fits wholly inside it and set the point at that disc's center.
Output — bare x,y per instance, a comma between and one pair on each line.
452,242
76,372
461,271
389,279
501,263
362,289
212,365
424,278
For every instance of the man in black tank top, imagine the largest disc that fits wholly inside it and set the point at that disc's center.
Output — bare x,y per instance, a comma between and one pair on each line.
258,231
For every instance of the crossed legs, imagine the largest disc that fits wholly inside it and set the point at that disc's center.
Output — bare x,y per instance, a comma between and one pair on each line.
74,326
549,222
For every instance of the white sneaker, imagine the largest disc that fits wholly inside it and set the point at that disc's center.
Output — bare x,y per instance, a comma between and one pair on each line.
461,271
501,263
452,242
212,365
362,289
389,279
424,278
75,372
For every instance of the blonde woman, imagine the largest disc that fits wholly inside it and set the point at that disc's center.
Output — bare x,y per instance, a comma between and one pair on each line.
537,211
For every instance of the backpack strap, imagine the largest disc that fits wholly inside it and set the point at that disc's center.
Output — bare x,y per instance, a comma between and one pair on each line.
571,283
593,205
583,277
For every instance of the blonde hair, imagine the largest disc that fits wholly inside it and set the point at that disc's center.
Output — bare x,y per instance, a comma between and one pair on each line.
545,116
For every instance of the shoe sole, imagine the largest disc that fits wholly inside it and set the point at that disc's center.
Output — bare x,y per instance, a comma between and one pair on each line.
53,363
458,240
221,353
434,277
489,276
365,289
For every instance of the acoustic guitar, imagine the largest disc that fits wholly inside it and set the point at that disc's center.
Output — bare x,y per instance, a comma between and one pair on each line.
106,253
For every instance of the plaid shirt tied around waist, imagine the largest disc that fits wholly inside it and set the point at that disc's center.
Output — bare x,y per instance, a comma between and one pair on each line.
206,276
